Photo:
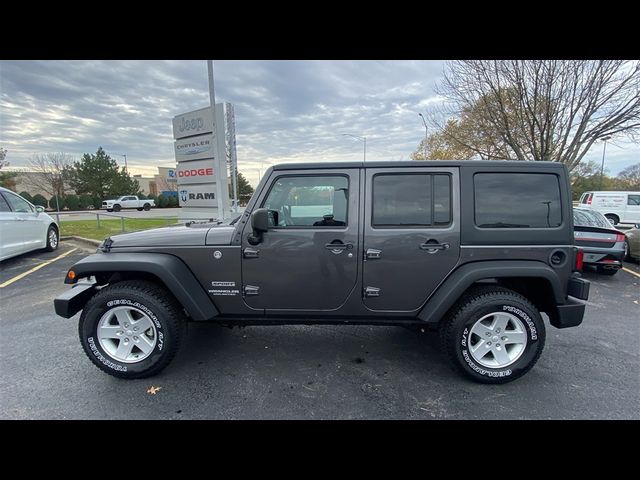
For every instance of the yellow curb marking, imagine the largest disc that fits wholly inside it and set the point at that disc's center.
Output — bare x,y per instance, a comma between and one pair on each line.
35,269
631,272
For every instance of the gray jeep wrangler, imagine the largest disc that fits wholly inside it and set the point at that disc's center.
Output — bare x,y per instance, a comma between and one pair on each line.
476,250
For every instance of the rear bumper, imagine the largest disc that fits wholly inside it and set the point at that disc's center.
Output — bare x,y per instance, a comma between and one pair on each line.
568,315
74,299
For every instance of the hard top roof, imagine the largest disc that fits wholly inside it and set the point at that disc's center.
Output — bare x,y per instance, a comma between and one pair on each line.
416,164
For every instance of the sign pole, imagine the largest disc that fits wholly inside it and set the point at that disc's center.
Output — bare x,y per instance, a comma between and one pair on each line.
212,101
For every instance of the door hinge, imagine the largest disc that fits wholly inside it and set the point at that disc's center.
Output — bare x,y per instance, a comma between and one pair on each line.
250,253
251,290
372,292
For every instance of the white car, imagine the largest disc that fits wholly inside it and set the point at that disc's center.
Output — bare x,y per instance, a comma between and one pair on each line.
618,207
24,227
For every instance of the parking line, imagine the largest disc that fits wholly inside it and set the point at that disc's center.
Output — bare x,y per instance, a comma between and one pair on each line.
631,272
36,268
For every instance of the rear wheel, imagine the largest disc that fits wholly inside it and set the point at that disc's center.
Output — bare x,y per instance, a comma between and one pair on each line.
52,238
493,335
131,329
147,207
614,219
627,251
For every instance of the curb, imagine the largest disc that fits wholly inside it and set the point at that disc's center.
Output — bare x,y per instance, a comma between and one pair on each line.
90,241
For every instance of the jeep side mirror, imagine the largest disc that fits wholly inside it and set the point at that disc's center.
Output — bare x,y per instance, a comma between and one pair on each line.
259,225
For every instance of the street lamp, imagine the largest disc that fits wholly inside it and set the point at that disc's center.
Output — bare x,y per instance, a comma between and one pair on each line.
604,149
364,139
426,134
125,160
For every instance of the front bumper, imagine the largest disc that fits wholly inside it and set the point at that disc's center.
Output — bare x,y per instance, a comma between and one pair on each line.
74,299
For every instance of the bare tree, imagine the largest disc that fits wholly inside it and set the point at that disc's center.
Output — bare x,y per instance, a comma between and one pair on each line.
541,109
49,169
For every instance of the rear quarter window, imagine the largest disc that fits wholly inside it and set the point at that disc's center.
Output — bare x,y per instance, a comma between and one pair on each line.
517,200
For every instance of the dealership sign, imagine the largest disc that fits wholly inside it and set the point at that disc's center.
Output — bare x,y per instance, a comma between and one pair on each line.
197,195
192,123
199,171
195,148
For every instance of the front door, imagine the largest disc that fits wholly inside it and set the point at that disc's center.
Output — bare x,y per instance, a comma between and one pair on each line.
307,260
411,235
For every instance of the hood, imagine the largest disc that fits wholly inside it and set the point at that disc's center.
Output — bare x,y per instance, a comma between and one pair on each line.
193,235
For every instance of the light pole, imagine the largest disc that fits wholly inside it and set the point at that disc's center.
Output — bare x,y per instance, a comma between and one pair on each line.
364,139
426,134
604,149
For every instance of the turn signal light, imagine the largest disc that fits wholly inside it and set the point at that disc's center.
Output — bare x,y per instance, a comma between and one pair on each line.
71,274
579,260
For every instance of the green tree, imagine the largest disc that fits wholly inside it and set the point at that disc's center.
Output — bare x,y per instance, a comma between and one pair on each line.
26,196
245,190
98,175
40,200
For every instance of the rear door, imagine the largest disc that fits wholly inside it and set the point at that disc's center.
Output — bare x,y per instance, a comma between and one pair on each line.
411,235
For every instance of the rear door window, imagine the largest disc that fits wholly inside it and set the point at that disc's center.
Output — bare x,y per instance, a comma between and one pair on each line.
633,200
517,200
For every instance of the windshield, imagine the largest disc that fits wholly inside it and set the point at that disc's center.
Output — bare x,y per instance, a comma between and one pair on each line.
590,218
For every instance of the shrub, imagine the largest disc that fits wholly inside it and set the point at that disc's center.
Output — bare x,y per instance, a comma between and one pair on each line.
72,202
141,196
96,202
39,200
173,202
52,202
26,196
84,201
163,201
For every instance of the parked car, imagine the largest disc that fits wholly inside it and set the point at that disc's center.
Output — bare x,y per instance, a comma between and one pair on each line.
603,245
475,250
127,201
618,207
632,243
24,227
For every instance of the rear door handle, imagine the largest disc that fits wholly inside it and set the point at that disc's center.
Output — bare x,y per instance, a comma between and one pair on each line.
338,247
432,246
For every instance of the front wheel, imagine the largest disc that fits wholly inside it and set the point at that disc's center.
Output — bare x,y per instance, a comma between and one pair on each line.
131,329
139,209
117,208
493,335
52,239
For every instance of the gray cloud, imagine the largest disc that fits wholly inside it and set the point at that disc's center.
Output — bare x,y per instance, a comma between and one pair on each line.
285,110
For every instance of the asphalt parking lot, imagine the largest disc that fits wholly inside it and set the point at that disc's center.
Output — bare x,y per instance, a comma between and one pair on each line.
309,372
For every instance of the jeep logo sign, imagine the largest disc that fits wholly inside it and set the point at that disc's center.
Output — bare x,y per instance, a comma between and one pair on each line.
199,171
192,123
198,196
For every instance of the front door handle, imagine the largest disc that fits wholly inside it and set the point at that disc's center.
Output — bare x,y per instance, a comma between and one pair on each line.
432,246
338,247
250,253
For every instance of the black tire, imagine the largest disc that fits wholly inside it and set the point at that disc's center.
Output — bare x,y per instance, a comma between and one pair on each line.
52,244
158,304
117,208
109,209
481,301
607,271
139,209
147,207
613,218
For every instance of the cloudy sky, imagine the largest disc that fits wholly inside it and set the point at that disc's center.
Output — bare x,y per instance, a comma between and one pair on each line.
285,110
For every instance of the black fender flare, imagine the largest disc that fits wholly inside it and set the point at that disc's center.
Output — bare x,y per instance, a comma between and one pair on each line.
449,291
170,270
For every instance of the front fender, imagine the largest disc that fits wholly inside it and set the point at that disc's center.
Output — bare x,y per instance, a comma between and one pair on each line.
168,269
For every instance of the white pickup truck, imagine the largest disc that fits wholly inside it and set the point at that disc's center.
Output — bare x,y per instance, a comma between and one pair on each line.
127,201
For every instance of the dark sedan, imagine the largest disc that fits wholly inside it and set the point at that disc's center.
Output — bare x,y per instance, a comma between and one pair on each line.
603,245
